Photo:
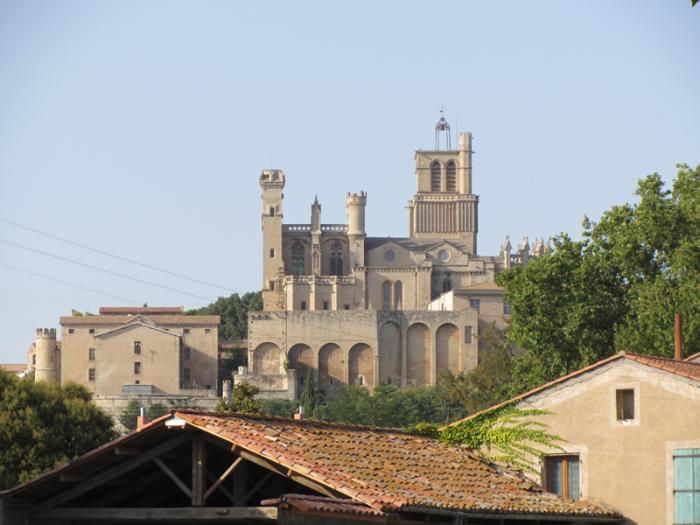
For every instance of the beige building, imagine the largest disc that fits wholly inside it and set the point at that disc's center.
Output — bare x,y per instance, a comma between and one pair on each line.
125,351
631,426
362,310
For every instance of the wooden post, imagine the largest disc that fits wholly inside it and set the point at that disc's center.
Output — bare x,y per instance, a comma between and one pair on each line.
199,452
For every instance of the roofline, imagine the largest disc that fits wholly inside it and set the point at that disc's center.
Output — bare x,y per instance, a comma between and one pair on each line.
692,356
134,324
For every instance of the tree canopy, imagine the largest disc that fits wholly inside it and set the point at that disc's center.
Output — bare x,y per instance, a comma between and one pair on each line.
618,288
43,425
234,313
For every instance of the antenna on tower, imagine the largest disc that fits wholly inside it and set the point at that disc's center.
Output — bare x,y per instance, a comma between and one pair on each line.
442,127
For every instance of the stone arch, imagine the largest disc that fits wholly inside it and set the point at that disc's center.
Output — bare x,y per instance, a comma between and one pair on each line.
451,173
267,360
390,353
418,355
448,358
361,365
301,358
435,176
330,367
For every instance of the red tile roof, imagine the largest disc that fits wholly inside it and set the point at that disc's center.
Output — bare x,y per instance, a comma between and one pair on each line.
322,504
146,310
386,469
680,368
116,320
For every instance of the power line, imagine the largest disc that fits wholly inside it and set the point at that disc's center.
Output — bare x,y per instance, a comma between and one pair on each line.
68,283
122,275
113,255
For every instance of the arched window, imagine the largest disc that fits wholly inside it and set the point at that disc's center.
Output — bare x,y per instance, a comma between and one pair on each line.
298,258
435,176
386,295
398,295
336,258
451,170
446,285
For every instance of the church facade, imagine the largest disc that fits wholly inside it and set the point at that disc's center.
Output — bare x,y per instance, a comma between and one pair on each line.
344,308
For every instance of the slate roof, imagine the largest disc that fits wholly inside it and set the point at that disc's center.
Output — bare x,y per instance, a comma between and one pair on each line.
686,369
388,470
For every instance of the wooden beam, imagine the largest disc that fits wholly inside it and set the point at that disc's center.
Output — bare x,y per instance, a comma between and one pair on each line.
157,514
67,477
199,453
222,488
114,496
257,487
184,488
113,472
313,485
123,450
221,478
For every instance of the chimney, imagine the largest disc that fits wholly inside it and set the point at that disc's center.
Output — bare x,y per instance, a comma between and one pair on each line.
679,338
141,419
300,413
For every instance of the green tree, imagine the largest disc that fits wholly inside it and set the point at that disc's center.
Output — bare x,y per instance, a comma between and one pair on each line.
234,313
44,425
128,416
243,399
278,407
309,396
617,288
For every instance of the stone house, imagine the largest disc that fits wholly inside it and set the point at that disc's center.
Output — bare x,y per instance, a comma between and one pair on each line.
631,427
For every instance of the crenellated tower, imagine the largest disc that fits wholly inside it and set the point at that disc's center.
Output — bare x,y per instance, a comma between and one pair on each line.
355,209
271,185
444,205
46,359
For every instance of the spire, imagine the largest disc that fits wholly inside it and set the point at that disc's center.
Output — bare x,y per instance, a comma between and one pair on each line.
316,200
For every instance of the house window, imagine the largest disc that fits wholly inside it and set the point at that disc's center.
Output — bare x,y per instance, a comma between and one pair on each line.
475,304
91,374
562,476
624,404
325,305
137,367
272,253
207,330
186,375
91,354
451,170
303,305
92,330
137,347
298,258
71,331
506,309
271,285
686,486
272,211
187,330
187,353
467,334
435,176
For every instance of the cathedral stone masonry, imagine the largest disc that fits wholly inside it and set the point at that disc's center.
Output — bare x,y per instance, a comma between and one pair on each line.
344,308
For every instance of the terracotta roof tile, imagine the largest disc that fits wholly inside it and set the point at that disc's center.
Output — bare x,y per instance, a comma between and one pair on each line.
387,469
116,320
306,503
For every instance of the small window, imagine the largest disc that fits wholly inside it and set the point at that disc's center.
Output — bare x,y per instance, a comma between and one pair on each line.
92,330
91,374
71,331
207,330
325,305
346,306
272,211
91,354
34,359
303,305
137,382
506,309
361,380
272,253
137,347
187,330
186,374
187,353
624,404
562,473
467,334
475,304
137,367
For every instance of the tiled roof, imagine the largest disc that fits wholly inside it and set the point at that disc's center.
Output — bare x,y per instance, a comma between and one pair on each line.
680,368
13,367
386,469
170,320
148,310
322,504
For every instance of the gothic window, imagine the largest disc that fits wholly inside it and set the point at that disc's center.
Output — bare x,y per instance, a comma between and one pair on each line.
451,176
386,295
398,295
435,176
298,258
336,259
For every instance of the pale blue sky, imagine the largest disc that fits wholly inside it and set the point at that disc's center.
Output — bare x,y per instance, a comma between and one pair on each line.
140,128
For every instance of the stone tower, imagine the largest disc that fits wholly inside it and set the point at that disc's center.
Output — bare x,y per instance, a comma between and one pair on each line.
444,206
272,184
355,208
46,359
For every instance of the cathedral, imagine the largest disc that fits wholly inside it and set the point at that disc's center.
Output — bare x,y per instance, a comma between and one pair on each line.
344,308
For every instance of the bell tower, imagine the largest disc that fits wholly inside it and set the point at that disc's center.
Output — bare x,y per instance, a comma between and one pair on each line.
444,206
271,185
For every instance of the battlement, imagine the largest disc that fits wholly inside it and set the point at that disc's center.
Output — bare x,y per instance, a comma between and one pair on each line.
356,198
272,178
46,333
